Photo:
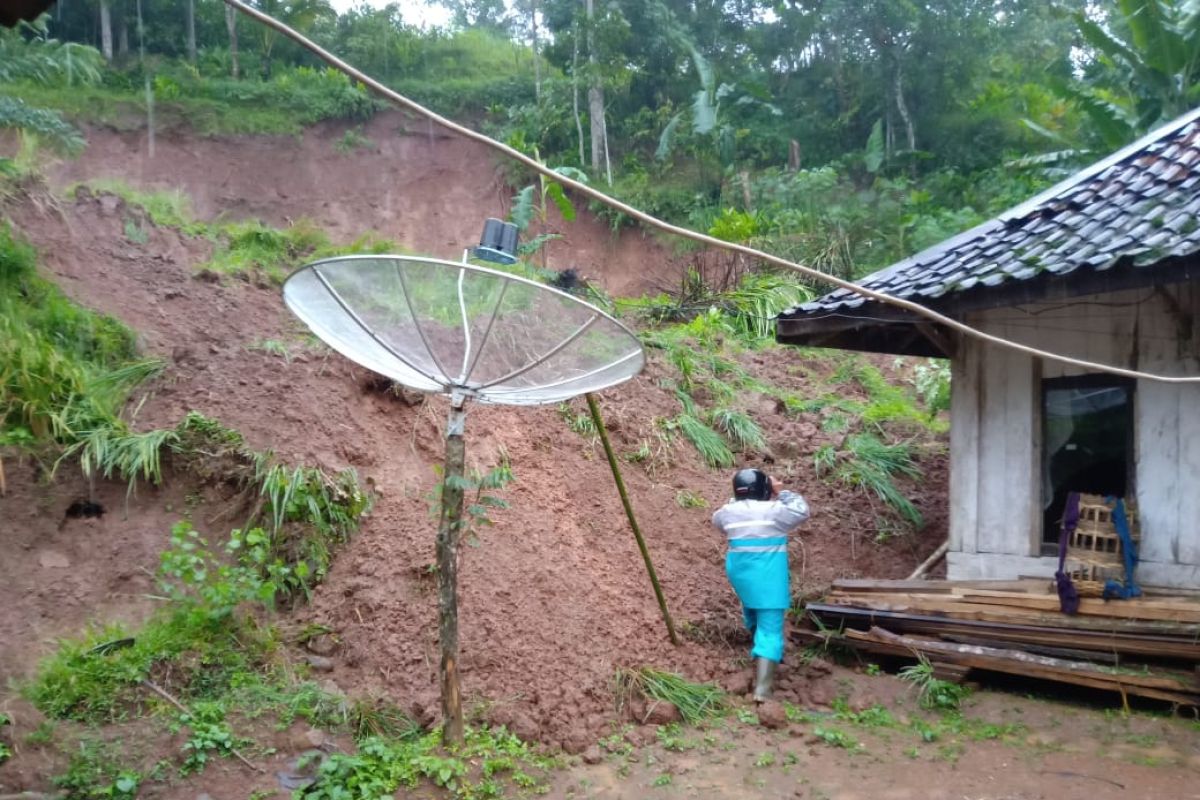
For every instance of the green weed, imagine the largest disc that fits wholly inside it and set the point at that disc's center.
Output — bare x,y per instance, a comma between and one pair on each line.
671,738
272,347
868,464
695,701
209,736
737,426
688,499
836,738
579,423
353,139
93,772
5,750
933,692
381,766
875,716
708,443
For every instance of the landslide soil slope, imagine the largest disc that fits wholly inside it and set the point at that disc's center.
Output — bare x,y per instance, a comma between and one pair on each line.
553,596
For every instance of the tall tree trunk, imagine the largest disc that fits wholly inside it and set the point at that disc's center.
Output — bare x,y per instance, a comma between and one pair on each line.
449,528
122,35
575,93
595,98
537,59
191,30
141,29
231,26
106,43
910,133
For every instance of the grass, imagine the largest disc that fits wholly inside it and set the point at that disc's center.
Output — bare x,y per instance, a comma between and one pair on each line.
211,107
708,443
66,374
164,207
243,247
739,429
489,759
695,701
868,464
933,692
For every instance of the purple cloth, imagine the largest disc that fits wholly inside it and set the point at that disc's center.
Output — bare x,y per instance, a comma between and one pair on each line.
1068,595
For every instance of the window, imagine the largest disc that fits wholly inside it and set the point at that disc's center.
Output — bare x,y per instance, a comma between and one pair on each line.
1087,443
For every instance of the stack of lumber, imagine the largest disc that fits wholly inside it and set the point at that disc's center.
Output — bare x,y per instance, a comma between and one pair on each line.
1147,646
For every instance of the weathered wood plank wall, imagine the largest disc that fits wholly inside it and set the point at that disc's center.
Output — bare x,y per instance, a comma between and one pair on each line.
996,423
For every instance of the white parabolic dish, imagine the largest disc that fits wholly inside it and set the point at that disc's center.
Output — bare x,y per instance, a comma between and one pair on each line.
441,326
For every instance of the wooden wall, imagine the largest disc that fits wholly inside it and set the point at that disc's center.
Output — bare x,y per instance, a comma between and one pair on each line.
996,427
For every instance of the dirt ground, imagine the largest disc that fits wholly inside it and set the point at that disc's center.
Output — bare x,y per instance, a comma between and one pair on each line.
553,596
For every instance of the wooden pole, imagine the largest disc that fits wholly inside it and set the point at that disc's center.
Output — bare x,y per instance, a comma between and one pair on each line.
449,527
637,534
934,558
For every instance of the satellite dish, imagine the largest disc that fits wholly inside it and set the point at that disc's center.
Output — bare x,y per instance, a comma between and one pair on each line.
462,330
469,332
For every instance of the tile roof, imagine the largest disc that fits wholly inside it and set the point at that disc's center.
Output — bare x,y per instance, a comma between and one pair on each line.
1140,205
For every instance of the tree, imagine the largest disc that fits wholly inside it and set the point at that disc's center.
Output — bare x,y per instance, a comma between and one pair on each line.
106,39
190,22
1146,67
298,14
231,27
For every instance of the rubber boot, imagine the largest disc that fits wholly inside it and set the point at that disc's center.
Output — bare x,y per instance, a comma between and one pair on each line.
764,677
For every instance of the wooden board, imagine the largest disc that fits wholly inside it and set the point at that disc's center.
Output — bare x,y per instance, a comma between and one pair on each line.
1135,608
1157,646
1182,618
1018,663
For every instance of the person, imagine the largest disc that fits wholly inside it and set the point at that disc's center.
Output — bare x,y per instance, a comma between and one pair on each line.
756,524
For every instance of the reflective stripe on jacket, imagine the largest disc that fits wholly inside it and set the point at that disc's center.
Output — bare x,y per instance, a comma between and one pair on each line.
756,531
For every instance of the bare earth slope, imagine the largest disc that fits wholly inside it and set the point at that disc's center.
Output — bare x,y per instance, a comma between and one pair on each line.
553,596
427,190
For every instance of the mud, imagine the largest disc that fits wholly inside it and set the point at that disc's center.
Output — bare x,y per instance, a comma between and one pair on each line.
553,595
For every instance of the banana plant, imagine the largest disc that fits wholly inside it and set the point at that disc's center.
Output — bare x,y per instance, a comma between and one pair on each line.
534,201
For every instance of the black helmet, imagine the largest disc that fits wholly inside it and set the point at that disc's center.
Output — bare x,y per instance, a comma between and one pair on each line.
751,484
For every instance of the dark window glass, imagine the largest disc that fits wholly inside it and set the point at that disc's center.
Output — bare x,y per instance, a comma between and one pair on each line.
1087,442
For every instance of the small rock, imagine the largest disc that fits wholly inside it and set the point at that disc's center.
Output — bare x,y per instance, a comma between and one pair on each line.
322,644
640,737
771,715
575,741
818,667
738,683
212,348
425,709
863,702
109,203
821,694
663,713
207,276
524,727
812,738
592,755
315,737
53,560
795,731
181,355
320,663
171,294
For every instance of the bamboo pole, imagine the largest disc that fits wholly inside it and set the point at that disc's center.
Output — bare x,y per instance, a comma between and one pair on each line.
928,563
449,528
637,534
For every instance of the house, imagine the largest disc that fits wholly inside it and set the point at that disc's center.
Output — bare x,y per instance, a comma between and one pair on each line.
1105,267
